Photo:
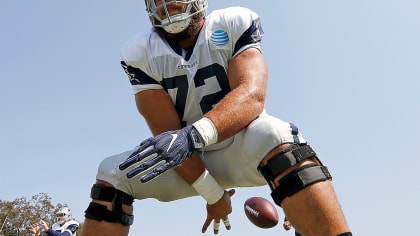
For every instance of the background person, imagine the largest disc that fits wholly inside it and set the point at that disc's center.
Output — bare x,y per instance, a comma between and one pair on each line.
287,226
65,225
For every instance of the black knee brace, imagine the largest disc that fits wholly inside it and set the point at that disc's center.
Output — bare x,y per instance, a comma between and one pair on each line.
297,179
100,212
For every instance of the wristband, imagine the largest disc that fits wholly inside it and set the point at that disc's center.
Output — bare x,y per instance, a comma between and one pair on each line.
208,188
207,130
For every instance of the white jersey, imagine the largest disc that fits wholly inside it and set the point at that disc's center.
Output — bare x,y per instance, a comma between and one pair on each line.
197,79
68,228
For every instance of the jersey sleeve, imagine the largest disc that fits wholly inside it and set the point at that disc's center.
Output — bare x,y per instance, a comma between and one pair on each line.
244,27
137,64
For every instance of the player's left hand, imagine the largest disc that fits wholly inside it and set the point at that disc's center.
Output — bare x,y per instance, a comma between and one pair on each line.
157,154
219,212
34,228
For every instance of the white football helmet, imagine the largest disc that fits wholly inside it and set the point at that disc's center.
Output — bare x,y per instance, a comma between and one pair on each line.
63,215
160,13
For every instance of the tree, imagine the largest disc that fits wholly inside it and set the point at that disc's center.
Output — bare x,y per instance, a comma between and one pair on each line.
18,215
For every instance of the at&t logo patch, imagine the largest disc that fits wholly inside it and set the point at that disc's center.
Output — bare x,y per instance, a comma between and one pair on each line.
219,38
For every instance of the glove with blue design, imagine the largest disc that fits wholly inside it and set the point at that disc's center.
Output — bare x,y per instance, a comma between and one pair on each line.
157,154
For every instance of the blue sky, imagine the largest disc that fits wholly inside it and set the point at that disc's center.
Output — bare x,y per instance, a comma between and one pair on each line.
346,72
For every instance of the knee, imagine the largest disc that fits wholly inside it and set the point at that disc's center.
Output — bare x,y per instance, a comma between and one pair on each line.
289,168
110,204
108,169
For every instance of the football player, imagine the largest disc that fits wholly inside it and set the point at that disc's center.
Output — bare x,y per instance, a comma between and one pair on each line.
200,82
65,225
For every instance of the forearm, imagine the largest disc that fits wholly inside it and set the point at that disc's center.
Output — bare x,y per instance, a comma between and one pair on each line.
227,118
191,169
248,80
195,173
236,111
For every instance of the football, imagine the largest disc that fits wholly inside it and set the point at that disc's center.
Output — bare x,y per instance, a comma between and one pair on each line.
261,212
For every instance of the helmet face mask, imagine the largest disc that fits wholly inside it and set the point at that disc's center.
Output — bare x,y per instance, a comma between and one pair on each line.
174,16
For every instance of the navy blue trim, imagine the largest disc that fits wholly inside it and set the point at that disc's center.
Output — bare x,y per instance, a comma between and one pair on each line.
73,228
189,53
295,132
179,50
252,35
137,76
175,47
